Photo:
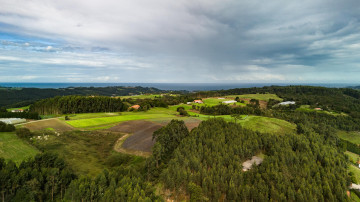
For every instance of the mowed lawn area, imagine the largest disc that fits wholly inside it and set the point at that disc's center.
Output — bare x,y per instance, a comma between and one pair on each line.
256,123
14,148
352,136
155,113
216,101
356,172
264,97
352,156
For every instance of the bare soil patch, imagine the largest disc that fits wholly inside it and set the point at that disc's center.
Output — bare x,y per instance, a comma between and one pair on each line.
254,160
139,140
56,124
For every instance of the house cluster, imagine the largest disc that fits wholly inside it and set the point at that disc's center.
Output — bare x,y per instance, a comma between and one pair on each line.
17,110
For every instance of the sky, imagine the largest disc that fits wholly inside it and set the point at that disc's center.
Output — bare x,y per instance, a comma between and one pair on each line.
182,41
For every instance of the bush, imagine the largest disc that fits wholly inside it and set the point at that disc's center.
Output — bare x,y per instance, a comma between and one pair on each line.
180,108
6,127
183,113
67,118
23,133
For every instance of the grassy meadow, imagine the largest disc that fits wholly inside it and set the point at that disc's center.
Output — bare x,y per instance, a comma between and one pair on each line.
352,136
352,156
154,113
85,152
263,97
23,108
15,149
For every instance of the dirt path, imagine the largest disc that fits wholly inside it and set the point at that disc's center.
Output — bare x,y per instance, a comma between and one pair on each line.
54,123
34,121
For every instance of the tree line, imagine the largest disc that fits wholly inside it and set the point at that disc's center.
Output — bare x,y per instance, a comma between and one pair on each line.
78,104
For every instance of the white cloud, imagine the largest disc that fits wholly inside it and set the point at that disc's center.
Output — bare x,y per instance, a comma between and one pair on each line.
149,40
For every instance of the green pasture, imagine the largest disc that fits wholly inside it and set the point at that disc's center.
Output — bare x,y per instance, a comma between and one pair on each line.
216,101
264,97
352,136
146,96
258,123
14,148
85,152
307,108
354,197
155,113
90,115
352,156
356,171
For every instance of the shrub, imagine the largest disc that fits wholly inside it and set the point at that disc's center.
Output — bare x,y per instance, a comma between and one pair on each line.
6,127
23,133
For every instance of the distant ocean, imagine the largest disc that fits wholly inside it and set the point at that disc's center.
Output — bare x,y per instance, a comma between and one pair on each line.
172,86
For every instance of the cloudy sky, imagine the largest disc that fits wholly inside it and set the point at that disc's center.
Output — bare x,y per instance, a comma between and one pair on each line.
233,41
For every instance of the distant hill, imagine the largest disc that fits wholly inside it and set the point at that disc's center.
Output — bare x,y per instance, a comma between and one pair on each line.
353,87
17,97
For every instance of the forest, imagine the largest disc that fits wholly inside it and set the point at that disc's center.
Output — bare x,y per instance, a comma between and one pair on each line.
206,164
18,97
78,104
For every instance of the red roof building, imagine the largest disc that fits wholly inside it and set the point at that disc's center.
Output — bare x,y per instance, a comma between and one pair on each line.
135,106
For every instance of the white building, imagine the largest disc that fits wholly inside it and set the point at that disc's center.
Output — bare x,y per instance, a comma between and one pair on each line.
13,120
229,101
287,103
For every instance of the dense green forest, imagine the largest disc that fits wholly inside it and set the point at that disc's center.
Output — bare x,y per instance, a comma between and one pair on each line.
78,104
18,97
207,165
48,178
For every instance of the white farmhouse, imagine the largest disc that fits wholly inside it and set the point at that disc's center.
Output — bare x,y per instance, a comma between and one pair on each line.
229,101
287,103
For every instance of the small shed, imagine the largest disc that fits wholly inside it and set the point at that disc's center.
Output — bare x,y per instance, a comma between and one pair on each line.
198,101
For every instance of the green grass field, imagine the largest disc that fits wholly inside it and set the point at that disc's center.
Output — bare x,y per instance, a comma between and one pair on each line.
154,113
147,96
216,101
85,152
258,123
90,115
264,97
354,197
352,156
14,148
307,108
353,136
356,172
